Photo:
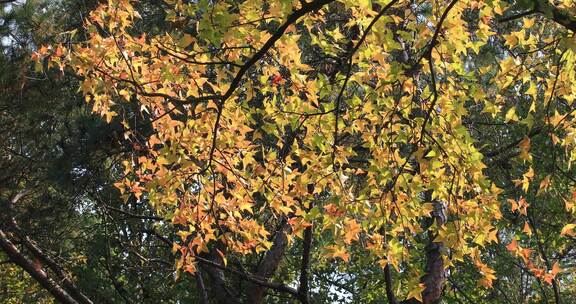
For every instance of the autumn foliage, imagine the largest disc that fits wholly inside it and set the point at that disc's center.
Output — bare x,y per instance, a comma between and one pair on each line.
353,125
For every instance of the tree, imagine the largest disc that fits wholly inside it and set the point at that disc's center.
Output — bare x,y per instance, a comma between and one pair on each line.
62,228
362,132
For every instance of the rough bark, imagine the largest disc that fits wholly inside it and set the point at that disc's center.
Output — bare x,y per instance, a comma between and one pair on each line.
220,288
269,263
201,287
435,277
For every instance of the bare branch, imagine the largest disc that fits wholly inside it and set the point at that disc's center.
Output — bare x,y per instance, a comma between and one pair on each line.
37,273
250,277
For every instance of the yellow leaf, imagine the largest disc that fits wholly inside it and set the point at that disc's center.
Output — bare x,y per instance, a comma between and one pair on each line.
175,247
245,206
556,119
569,203
511,40
545,183
532,90
416,292
527,229
511,115
493,236
523,206
529,174
365,4
525,143
568,230
427,209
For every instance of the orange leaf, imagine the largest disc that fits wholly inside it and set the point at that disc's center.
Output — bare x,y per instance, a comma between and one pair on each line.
513,246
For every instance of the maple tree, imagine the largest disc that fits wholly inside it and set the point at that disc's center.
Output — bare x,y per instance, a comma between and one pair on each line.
261,128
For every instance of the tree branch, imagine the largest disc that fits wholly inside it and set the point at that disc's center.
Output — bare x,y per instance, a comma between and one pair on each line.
201,287
304,269
249,277
428,55
513,144
516,16
270,262
548,10
388,281
559,16
292,18
39,254
37,273
134,215
338,100
52,265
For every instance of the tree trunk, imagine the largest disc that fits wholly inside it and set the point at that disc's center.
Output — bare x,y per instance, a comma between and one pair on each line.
435,277
269,263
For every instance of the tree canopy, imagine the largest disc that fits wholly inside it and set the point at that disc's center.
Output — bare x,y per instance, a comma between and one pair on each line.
310,151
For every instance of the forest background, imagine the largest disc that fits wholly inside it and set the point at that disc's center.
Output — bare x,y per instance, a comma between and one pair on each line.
283,151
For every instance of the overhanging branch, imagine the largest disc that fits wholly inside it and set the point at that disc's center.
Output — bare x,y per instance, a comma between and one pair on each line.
559,16
38,274
548,10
